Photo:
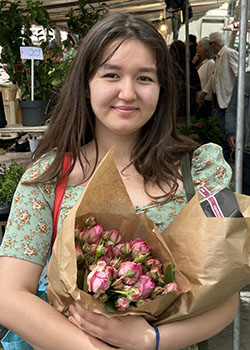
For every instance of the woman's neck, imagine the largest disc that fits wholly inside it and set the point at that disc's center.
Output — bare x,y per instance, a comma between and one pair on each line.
122,149
199,63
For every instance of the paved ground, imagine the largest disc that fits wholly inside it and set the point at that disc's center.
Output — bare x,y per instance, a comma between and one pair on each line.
224,340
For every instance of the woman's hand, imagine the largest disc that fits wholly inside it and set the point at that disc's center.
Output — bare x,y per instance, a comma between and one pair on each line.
201,98
126,332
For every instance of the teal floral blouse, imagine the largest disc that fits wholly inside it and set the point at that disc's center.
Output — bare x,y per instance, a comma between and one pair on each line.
29,228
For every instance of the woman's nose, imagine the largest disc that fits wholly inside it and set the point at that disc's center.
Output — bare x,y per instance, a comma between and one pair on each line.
127,90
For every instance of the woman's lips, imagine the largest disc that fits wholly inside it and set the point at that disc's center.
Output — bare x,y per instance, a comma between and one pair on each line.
125,109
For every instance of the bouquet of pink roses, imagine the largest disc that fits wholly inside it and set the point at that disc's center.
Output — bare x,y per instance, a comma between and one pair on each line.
119,273
90,264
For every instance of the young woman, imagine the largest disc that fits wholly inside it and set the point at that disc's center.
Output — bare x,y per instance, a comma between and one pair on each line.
119,92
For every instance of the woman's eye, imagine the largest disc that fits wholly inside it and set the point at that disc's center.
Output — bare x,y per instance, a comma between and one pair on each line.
143,78
111,75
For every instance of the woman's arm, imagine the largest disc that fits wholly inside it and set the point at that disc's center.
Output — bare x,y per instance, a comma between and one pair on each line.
134,333
210,68
176,335
33,319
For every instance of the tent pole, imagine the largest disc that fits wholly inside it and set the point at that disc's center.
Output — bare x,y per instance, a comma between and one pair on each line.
240,133
188,121
241,97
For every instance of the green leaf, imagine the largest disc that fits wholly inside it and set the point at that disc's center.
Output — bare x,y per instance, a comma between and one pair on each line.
85,284
110,306
169,274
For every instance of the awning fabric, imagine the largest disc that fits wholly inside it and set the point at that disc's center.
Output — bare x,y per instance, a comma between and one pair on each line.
151,10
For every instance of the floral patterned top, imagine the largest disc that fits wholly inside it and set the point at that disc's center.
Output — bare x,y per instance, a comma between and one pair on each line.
29,228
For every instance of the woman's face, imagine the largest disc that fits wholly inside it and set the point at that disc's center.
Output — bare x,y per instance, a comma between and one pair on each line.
200,50
124,91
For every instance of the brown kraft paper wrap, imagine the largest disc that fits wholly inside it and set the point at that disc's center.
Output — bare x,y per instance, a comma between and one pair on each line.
106,198
213,253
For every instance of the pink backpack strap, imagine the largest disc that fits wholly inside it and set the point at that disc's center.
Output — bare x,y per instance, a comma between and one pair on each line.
59,193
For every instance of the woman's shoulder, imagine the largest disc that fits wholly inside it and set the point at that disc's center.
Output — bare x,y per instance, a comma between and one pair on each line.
209,167
210,62
206,64
38,167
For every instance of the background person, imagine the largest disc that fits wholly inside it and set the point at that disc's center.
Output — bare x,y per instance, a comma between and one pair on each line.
204,64
221,82
192,45
111,97
231,125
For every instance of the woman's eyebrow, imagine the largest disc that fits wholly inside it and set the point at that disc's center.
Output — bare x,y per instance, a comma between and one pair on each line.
110,66
141,69
148,70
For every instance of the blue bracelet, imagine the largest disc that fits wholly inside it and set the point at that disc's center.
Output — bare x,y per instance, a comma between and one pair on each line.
157,333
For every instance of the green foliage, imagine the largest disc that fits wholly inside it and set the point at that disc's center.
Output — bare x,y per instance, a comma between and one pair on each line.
169,274
82,19
202,130
16,22
59,72
9,178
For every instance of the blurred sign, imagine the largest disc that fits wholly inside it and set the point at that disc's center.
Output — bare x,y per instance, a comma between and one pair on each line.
31,53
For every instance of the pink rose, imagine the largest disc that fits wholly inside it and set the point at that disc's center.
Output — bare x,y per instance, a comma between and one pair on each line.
157,291
98,282
79,253
146,285
111,272
151,262
106,259
93,248
170,287
92,235
90,221
133,294
115,236
139,247
117,249
121,304
155,273
100,265
130,272
109,251
198,125
115,262
95,233
83,235
118,285
194,136
126,249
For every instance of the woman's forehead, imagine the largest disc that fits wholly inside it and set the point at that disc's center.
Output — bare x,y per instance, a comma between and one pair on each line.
122,44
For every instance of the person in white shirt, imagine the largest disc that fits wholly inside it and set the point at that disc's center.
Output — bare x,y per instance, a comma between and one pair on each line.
204,64
221,82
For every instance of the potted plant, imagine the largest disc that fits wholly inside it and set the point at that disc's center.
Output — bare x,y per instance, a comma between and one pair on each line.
16,21
9,178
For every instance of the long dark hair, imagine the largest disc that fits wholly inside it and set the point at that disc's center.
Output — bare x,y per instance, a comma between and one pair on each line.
159,148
